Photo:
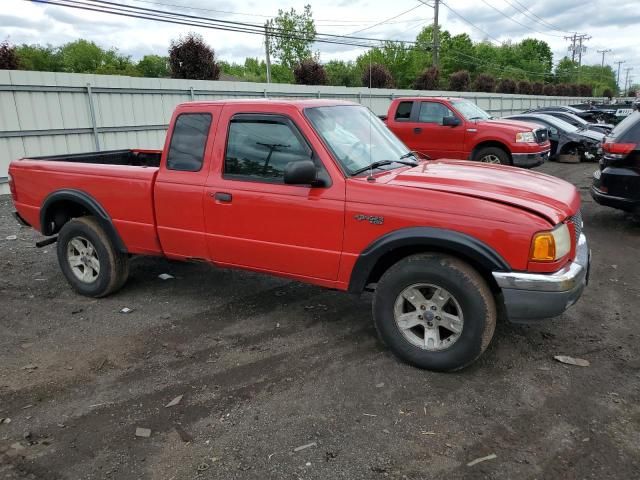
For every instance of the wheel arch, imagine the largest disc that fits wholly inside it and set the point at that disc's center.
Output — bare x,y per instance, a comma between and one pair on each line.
490,143
61,206
394,246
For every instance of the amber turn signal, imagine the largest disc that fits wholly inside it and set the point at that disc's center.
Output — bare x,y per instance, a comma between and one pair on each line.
543,247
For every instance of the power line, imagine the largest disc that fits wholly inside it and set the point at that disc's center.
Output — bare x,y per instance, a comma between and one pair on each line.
217,24
519,23
469,22
540,20
382,22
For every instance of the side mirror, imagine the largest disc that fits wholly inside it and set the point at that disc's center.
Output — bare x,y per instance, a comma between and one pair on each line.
451,121
302,172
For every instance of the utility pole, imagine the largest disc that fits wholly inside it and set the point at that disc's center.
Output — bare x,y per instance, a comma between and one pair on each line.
581,49
603,53
266,51
618,77
572,47
626,80
436,41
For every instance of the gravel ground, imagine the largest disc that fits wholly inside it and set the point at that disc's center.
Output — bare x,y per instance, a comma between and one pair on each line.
266,365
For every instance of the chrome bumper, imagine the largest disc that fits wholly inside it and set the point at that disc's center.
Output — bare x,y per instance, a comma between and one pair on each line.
529,296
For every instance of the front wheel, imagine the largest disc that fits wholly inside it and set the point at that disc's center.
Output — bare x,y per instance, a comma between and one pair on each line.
492,155
434,311
89,260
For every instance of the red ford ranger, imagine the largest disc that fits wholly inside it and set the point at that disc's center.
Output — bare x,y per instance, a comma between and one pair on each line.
458,128
321,192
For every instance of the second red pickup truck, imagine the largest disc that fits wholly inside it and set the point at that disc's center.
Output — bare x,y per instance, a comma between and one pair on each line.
321,192
457,128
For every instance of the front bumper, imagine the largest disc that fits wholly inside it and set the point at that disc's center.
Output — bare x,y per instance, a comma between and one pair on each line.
529,160
529,296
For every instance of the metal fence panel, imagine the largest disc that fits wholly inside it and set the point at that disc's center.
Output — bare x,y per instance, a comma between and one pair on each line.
44,113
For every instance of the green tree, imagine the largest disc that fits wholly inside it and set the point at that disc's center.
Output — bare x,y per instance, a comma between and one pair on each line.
153,66
39,58
81,56
399,59
345,74
292,37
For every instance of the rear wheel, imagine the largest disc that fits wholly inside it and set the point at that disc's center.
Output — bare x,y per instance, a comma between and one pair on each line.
434,311
493,155
88,259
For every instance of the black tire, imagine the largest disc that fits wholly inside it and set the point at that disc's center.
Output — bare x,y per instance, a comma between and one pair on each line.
113,265
470,292
484,154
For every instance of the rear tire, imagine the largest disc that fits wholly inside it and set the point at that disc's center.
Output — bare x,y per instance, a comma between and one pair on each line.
88,259
493,155
434,311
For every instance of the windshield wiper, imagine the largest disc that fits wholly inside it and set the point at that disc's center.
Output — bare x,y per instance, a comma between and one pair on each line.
410,153
478,118
382,163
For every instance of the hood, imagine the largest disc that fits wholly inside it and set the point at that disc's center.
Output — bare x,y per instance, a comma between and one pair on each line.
515,125
592,135
542,194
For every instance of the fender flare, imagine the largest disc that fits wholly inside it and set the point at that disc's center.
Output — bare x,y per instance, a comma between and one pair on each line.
428,238
90,204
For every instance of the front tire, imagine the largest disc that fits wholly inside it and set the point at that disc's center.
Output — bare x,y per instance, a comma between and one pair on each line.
493,155
434,311
89,260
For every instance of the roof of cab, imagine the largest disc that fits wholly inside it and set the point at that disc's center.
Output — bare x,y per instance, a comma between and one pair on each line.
298,103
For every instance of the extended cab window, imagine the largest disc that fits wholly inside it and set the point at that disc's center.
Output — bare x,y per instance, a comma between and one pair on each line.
433,112
404,111
259,147
189,138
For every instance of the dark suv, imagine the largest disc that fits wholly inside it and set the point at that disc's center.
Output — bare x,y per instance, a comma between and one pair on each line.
617,183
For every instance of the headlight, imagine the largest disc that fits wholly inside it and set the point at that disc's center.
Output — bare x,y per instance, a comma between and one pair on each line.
525,137
551,245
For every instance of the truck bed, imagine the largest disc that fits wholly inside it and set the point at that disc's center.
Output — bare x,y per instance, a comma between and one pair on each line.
137,158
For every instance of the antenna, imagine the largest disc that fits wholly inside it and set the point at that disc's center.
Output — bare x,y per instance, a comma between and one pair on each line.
370,178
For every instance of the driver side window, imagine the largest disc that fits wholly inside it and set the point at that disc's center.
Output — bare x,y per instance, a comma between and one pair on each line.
259,148
433,112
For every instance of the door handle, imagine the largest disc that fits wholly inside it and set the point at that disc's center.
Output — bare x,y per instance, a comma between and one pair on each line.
222,197
417,130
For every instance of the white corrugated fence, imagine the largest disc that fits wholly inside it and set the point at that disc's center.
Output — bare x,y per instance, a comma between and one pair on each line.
48,113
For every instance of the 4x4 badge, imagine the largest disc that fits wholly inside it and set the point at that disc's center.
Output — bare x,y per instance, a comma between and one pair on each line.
370,218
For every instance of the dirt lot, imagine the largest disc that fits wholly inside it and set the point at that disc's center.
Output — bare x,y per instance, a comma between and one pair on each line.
267,365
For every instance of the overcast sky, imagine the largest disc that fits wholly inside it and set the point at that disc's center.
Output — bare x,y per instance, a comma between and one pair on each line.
612,24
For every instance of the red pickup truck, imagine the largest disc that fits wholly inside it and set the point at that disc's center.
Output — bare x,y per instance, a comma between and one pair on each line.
321,192
457,128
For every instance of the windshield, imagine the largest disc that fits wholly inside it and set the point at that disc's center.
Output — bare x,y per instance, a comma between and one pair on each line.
470,110
355,136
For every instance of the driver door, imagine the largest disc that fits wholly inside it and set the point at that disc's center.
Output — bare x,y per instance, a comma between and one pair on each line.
253,219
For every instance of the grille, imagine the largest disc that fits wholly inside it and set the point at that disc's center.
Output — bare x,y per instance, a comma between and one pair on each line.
542,135
576,219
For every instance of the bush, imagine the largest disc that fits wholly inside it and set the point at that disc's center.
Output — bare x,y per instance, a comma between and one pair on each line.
506,85
562,90
573,90
8,56
484,83
377,76
190,57
310,72
428,80
524,87
549,90
585,90
537,88
459,81
607,93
